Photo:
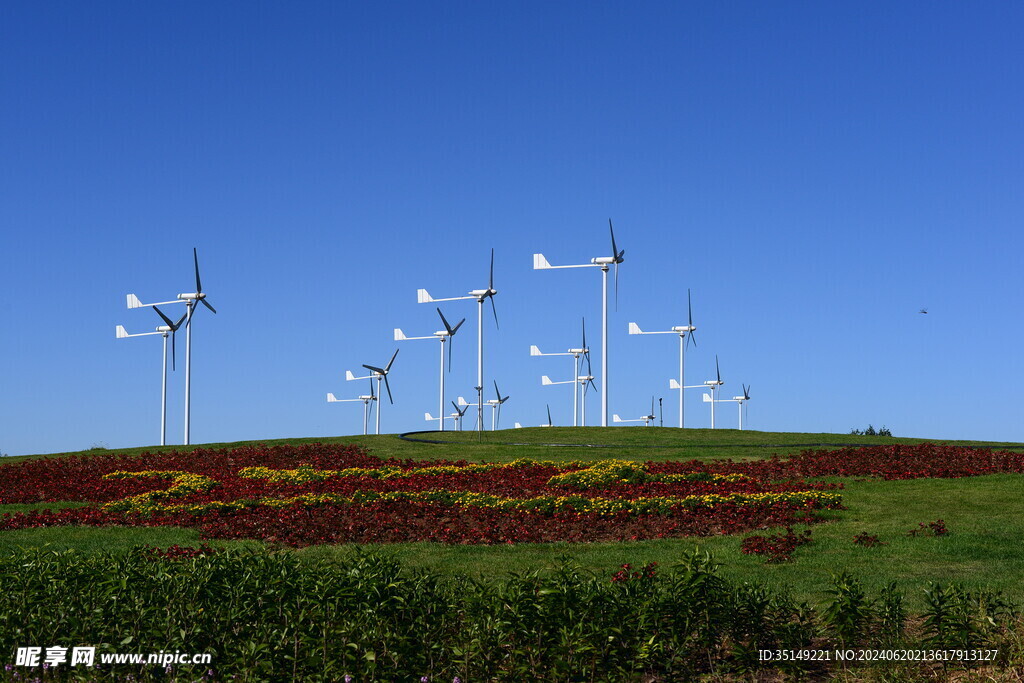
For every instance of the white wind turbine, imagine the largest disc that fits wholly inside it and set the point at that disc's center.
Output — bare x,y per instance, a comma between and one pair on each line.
575,381
367,402
189,299
495,404
646,419
604,263
740,401
714,385
429,418
443,335
684,331
459,413
550,422
422,296
168,328
377,374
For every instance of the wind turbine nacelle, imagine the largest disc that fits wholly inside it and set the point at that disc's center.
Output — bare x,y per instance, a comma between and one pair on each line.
164,329
713,383
368,398
480,293
133,302
684,328
635,329
741,399
191,296
603,260
577,352
539,262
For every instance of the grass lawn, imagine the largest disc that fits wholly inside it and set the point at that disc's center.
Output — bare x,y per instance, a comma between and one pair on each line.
982,548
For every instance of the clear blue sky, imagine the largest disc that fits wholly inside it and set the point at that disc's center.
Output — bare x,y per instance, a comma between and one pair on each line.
815,172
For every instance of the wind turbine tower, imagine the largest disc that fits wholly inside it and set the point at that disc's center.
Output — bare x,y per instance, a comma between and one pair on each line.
443,335
604,263
423,297
684,332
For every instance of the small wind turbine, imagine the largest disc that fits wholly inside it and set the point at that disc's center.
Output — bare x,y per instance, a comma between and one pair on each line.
550,423
495,404
604,263
576,354
377,374
443,335
191,299
367,402
646,419
457,415
740,401
684,331
714,384
422,296
169,328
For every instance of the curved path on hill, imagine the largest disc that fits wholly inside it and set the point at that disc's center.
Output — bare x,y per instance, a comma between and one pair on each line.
412,436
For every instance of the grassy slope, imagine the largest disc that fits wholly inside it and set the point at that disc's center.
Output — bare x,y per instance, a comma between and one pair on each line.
982,548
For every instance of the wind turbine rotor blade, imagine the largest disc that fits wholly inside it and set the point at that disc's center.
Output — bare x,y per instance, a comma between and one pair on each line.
451,343
549,416
496,392
174,349
717,371
195,259
689,307
207,304
612,231
445,321
494,310
456,328
180,321
584,333
164,317
377,370
490,281
497,418
388,387
388,366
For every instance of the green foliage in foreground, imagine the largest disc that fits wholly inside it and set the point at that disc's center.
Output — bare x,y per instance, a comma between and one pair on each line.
270,616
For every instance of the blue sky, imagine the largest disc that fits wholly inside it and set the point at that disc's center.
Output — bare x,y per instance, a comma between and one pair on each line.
814,172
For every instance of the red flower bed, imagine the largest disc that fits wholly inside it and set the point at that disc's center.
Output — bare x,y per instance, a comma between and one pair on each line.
404,521
334,521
